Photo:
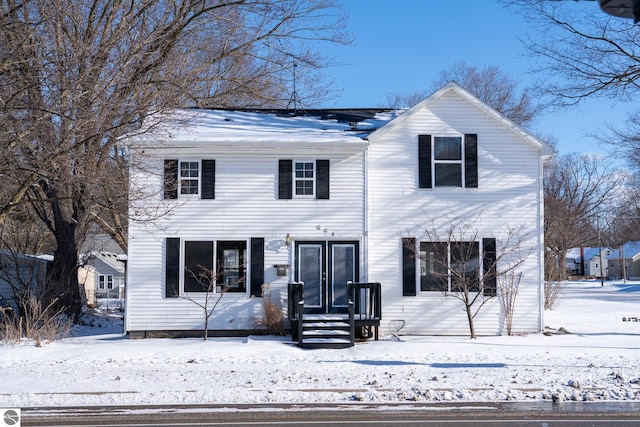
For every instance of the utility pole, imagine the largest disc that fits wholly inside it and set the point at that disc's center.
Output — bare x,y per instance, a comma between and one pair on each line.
600,250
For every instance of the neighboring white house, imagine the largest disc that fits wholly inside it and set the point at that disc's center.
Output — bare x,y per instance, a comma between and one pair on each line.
19,275
102,275
327,197
624,262
594,264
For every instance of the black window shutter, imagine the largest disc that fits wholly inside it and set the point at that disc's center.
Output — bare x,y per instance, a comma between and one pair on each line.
208,179
257,266
489,266
408,266
471,160
172,267
424,161
170,179
285,179
322,179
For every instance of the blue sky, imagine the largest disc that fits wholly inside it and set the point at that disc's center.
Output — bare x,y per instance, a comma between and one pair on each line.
403,45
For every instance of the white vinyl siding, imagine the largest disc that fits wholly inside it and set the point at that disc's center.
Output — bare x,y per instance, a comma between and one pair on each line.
508,195
246,206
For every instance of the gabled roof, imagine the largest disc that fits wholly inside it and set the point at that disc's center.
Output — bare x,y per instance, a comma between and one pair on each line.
456,88
112,260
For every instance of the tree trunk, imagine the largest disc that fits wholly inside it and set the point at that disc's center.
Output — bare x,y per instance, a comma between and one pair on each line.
62,277
472,330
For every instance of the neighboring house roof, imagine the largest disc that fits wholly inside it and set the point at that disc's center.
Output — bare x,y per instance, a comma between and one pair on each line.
7,256
111,260
629,250
454,87
327,128
100,243
589,253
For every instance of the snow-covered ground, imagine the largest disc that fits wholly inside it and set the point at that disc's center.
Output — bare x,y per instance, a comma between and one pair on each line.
598,359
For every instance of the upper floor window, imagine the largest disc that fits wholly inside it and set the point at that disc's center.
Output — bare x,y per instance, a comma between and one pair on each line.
304,178
448,161
189,178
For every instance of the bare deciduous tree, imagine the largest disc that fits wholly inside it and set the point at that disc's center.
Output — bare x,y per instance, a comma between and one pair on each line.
494,87
582,51
460,265
76,76
212,290
576,189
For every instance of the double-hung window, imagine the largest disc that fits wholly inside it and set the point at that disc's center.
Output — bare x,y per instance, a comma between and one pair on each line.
105,281
304,179
448,161
189,177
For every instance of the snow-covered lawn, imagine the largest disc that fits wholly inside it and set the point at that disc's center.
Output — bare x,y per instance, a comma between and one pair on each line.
599,359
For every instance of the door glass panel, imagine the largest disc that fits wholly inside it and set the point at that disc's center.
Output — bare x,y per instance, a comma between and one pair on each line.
232,266
310,270
343,271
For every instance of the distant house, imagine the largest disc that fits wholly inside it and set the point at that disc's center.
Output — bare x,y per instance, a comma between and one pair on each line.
588,261
102,274
102,270
572,262
595,262
624,262
20,274
327,197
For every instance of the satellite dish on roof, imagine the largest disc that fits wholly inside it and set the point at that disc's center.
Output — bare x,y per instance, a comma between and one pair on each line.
622,8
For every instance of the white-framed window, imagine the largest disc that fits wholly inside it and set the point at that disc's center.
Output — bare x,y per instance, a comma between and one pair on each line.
304,178
105,281
447,161
450,266
215,266
189,177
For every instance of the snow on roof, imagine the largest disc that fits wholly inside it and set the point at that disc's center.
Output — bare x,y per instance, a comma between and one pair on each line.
114,260
275,126
630,249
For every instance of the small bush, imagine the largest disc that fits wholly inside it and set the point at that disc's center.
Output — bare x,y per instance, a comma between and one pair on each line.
552,291
272,319
35,322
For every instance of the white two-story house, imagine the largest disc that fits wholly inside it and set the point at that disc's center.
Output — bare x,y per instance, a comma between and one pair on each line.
325,197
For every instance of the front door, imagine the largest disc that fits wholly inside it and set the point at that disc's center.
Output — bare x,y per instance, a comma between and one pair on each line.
325,267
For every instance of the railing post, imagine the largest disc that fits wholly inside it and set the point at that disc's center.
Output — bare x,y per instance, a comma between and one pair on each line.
295,299
300,320
352,322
